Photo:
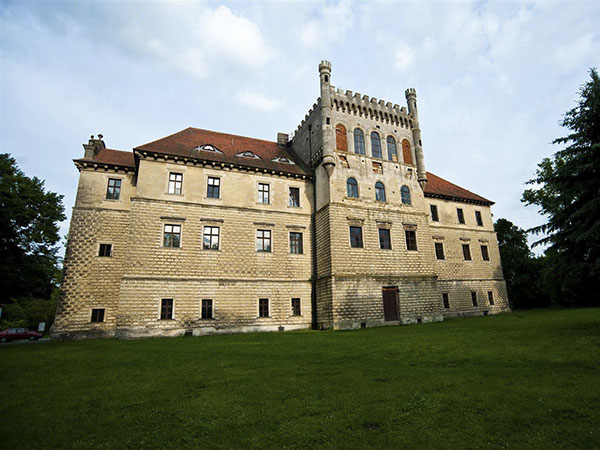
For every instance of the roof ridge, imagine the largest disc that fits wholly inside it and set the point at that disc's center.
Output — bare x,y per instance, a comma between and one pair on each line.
230,134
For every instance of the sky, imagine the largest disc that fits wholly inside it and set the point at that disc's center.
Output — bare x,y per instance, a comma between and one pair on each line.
493,79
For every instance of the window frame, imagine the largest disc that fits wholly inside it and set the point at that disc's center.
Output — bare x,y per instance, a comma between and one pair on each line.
263,303
355,186
294,202
262,238
439,246
446,300
387,238
359,141
490,298
98,319
435,217
172,233
211,235
405,195
485,252
392,155
460,214
478,218
296,243
116,193
466,250
379,189
376,144
211,189
163,308
411,240
474,300
175,186
209,308
264,189
296,308
100,252
360,236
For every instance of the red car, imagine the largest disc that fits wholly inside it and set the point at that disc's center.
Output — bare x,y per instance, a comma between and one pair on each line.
14,334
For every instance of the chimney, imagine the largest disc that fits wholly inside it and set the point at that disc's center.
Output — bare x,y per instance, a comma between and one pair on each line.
283,139
93,147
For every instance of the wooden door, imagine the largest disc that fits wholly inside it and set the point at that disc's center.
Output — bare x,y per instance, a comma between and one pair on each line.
390,303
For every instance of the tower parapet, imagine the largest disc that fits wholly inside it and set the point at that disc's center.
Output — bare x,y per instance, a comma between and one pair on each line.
411,99
370,107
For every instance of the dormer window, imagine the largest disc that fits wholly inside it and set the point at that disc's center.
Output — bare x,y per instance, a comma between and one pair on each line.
283,159
248,154
208,148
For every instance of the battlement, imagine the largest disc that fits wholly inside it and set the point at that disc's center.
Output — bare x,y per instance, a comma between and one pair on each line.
325,66
307,116
370,107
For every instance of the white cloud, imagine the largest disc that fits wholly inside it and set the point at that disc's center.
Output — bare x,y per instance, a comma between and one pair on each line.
403,56
570,54
331,25
257,100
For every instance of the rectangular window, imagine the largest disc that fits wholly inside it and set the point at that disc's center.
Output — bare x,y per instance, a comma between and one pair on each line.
175,183
484,253
446,300
172,236
356,240
213,189
263,307
461,215
166,309
296,243
264,193
211,238
207,309
263,240
439,250
295,307
478,218
466,252
491,298
98,315
411,239
113,191
474,298
434,213
105,250
295,197
385,241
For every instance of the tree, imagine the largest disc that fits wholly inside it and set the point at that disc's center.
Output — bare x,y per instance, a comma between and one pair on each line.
522,270
28,234
567,190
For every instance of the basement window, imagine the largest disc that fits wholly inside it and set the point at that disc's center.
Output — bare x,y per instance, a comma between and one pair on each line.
105,250
97,315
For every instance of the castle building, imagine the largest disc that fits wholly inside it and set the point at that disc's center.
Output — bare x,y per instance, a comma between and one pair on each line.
338,227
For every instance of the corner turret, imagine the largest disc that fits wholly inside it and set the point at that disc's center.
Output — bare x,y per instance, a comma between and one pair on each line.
328,138
411,99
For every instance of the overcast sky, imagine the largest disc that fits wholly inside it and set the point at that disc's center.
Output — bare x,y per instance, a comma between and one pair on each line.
493,79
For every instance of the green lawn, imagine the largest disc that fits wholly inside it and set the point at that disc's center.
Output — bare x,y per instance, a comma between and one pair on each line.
530,380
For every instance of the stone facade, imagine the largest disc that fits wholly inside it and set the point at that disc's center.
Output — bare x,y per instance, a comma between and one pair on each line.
124,278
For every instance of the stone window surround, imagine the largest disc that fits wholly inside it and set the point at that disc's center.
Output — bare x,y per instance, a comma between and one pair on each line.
90,314
263,226
204,229
270,192
173,311
108,177
165,220
213,308
299,307
175,181
220,178
297,186
258,316
100,243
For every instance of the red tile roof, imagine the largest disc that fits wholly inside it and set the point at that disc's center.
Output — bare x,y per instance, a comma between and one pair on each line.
438,187
184,142
112,157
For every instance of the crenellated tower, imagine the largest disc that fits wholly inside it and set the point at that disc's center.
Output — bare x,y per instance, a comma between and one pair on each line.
328,135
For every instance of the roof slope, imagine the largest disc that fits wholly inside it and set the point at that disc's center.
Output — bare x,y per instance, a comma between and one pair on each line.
183,143
438,187
111,157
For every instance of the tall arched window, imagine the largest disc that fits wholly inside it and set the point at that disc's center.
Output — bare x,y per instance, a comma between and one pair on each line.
341,140
379,192
405,195
391,145
375,145
359,141
352,188
406,152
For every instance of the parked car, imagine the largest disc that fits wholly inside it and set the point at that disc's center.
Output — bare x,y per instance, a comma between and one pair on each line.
14,334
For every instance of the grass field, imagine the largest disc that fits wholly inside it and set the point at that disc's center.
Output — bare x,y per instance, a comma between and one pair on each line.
530,380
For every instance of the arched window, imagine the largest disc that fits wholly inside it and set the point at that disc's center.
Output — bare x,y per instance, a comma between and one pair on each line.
352,188
391,145
341,140
359,141
379,192
406,152
375,145
405,194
